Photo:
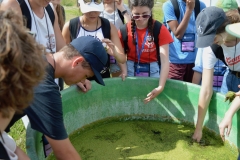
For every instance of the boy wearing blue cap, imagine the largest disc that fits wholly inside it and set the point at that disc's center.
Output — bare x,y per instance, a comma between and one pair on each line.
74,63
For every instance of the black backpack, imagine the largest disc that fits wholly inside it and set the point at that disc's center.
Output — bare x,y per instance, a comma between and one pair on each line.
26,13
156,31
218,51
74,26
177,12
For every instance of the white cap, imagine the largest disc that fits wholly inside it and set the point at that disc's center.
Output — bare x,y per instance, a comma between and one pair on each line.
233,29
90,7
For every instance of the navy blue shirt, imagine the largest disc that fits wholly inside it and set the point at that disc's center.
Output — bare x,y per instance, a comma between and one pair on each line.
45,112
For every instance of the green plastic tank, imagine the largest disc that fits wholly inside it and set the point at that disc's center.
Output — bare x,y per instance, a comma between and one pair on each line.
178,102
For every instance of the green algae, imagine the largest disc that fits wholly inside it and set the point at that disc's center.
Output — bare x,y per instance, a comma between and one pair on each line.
114,139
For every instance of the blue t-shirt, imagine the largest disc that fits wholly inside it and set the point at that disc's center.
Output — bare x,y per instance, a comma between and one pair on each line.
175,53
45,112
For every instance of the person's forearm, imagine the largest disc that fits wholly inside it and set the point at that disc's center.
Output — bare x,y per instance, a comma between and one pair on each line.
126,16
164,73
180,30
204,100
123,68
234,107
119,56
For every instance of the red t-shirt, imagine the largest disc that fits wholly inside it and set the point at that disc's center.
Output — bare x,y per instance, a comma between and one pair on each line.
149,51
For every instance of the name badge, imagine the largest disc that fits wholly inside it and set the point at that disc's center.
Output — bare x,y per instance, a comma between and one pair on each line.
112,60
188,42
142,69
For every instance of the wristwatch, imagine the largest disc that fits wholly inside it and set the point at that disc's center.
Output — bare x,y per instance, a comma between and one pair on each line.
123,12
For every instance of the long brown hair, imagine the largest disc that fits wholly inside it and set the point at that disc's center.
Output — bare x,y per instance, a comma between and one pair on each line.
147,3
232,17
61,18
22,65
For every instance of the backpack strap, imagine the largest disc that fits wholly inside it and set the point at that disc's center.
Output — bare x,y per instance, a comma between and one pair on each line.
26,13
121,16
197,8
50,13
176,8
74,26
106,28
218,51
177,11
156,31
123,30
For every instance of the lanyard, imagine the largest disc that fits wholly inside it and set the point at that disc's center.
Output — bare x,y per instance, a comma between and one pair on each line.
139,53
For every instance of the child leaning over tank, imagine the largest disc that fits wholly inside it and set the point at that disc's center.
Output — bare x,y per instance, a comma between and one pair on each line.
145,40
220,68
22,67
226,123
212,30
74,63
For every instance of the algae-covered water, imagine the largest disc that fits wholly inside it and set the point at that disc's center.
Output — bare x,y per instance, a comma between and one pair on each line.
147,140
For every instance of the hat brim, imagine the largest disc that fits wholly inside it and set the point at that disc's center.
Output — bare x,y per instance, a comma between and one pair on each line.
91,8
97,77
205,41
233,29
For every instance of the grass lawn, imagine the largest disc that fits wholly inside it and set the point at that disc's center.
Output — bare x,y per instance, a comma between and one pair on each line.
18,131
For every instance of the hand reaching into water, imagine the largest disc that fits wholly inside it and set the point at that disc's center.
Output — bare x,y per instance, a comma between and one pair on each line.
197,136
154,93
225,124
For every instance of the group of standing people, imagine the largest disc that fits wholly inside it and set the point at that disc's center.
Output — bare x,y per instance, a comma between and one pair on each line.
99,45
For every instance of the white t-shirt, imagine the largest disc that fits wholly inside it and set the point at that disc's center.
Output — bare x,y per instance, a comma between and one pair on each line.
10,145
44,29
98,34
232,58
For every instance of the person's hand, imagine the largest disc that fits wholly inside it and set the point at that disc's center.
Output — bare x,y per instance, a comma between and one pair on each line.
119,4
110,46
197,136
85,86
225,124
123,76
153,94
190,4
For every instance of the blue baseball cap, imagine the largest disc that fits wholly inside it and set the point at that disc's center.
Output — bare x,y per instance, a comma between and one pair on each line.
94,53
207,23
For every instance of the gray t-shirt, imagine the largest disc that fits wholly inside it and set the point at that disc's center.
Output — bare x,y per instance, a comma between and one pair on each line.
114,17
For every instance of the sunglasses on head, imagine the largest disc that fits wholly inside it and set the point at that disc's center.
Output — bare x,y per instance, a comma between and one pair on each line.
136,17
90,1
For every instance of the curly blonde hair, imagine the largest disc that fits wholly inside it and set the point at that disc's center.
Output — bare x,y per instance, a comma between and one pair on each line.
22,64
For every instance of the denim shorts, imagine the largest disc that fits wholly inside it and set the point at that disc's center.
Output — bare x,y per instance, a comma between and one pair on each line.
114,68
154,69
230,82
